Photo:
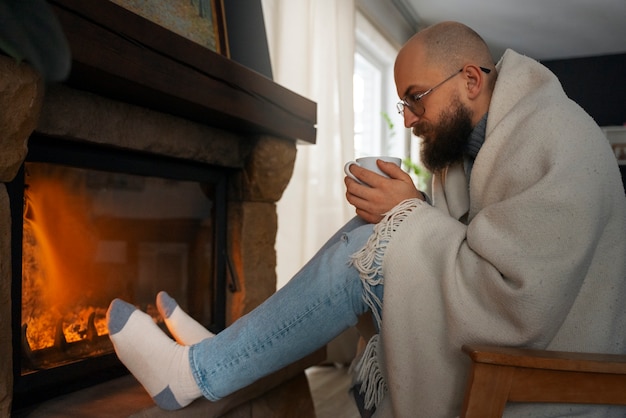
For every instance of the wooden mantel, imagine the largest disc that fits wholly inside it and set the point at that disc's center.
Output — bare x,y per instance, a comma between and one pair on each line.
120,55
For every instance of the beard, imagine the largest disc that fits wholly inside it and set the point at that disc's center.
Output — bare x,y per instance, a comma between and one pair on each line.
444,143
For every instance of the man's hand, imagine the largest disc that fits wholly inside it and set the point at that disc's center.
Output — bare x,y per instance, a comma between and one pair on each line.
379,194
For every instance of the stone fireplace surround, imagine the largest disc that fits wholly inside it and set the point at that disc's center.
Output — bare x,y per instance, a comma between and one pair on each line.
264,165
261,162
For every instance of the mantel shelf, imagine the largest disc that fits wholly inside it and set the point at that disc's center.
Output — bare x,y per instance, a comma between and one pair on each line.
120,55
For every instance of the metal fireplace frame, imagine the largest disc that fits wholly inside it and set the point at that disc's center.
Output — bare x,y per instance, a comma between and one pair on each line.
48,383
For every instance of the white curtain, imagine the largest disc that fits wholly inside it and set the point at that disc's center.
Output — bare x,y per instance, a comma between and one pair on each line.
311,45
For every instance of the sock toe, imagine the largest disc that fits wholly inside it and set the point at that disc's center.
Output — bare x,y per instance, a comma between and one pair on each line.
165,304
161,366
118,314
185,329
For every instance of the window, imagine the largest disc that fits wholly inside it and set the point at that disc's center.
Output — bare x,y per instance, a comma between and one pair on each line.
378,129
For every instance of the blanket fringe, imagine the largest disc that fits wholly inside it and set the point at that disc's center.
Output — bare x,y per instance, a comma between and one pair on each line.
369,263
368,373
369,259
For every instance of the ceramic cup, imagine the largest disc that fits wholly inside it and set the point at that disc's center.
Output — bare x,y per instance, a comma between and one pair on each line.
370,164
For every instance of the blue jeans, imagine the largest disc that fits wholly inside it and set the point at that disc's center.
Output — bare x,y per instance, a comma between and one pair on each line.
316,305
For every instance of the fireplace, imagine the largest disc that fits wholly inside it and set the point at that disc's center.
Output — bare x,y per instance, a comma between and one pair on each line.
99,223
142,98
106,145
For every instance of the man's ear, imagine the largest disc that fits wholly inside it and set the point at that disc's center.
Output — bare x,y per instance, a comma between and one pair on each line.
474,80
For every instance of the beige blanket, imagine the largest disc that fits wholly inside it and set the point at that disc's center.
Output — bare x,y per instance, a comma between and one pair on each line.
541,262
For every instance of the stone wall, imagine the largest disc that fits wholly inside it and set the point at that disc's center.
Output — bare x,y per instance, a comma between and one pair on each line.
262,167
21,93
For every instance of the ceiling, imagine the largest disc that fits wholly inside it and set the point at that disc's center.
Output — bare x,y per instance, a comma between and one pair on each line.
542,29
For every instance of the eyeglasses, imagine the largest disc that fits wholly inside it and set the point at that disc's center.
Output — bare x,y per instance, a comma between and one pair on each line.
412,101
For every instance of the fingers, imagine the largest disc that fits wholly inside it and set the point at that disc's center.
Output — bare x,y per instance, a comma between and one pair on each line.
392,170
360,195
366,176
381,195
374,194
375,180
369,217
370,203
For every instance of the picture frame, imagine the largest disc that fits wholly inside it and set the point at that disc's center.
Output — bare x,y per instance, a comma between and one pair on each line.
219,28
201,21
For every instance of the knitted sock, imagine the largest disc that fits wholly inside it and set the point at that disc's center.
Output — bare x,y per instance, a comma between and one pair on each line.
184,329
158,363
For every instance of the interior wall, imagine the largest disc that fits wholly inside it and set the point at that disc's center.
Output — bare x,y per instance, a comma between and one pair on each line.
595,83
394,25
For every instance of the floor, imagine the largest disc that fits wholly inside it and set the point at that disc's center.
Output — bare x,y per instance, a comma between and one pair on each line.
329,389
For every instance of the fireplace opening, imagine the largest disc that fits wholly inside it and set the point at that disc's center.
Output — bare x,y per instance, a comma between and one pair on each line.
92,223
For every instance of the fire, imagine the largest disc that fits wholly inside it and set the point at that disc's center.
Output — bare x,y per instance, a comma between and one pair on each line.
90,236
59,282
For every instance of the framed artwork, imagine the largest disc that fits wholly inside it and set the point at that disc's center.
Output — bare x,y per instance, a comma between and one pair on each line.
201,21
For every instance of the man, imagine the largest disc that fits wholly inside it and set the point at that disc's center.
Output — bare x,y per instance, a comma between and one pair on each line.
523,245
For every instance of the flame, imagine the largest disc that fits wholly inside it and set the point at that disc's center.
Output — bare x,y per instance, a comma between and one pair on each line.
58,250
91,236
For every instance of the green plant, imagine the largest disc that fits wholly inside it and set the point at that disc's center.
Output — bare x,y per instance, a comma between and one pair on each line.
389,123
420,175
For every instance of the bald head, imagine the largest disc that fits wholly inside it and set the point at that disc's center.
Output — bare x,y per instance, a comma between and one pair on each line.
448,46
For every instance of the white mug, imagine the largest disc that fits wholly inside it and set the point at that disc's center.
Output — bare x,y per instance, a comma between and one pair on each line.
370,164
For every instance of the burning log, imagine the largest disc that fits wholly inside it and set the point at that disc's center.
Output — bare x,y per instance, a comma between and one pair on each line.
59,336
91,333
63,352
27,352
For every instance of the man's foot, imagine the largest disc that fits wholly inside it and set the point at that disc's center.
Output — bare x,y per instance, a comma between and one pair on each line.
158,363
184,329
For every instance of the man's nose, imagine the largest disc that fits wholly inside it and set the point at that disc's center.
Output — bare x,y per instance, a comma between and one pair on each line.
409,118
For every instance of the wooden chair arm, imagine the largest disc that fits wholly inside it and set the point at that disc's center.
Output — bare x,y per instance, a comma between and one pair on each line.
501,374
545,359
